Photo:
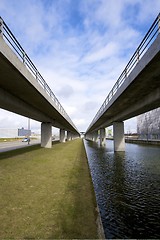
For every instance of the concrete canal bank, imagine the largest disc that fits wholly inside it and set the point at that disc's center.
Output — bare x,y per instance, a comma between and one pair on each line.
143,141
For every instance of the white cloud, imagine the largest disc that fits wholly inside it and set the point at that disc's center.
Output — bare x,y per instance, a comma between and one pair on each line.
80,48
70,110
105,52
14,121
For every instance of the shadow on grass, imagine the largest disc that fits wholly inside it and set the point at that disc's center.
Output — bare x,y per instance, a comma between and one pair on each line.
77,214
62,179
19,151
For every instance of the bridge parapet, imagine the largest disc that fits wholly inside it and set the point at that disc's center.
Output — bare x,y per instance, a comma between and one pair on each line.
10,39
149,38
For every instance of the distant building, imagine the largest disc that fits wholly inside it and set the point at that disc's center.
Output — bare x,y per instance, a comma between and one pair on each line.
82,134
148,125
24,132
8,133
14,133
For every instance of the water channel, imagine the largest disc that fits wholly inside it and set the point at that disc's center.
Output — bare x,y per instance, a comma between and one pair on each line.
127,187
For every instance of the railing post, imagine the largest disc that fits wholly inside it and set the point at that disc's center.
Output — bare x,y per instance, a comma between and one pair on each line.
159,23
112,92
1,27
138,55
44,86
107,99
24,57
125,72
117,84
36,74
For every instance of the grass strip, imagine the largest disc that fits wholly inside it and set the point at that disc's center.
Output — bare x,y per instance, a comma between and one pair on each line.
47,193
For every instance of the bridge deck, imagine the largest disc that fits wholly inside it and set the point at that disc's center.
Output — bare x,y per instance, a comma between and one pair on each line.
139,93
22,94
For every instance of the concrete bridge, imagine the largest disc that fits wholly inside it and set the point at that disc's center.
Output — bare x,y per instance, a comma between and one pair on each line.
136,91
24,91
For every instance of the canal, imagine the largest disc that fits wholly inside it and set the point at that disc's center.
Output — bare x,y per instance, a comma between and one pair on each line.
127,187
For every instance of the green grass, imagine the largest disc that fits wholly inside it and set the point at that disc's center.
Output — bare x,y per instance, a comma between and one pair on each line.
8,139
47,193
14,139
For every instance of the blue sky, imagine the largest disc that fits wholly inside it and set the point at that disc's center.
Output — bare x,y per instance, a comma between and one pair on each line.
80,48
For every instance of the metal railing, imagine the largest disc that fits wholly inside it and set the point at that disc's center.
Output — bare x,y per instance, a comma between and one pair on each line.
142,48
9,38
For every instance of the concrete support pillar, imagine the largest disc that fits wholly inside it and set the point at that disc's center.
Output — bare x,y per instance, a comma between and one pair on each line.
118,134
62,135
46,135
102,136
68,136
72,136
77,136
95,136
90,136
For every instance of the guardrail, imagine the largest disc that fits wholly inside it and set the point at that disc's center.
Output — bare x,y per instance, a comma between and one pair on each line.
142,48
8,36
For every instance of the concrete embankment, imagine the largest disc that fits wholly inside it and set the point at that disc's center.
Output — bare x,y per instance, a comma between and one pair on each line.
143,141
140,141
98,220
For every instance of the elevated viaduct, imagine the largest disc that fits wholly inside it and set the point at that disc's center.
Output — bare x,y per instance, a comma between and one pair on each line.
24,91
136,91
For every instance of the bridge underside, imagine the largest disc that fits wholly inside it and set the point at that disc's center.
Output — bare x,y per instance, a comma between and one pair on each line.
22,94
138,94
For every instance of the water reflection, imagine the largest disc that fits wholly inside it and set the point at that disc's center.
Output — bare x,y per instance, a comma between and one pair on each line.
127,188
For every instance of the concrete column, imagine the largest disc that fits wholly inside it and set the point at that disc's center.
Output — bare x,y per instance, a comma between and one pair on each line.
118,134
46,135
77,136
95,136
68,136
90,136
71,136
62,135
102,136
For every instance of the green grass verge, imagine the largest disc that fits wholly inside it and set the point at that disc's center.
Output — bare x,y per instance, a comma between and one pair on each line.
14,139
8,139
47,193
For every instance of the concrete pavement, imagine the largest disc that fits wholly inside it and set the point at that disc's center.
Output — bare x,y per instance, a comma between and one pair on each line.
7,146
